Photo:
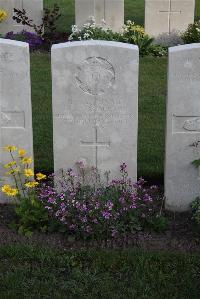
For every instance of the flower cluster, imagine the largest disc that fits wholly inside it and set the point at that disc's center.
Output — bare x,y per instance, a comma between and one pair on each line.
3,15
9,191
107,209
131,28
130,33
32,39
92,31
19,168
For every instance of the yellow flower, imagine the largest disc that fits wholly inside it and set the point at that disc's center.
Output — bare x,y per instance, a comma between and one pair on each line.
10,148
27,160
40,176
12,171
21,152
6,188
3,15
9,191
10,164
31,184
28,172
12,192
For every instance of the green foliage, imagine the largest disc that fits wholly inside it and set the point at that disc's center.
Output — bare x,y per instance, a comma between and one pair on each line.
192,34
196,210
196,163
158,223
31,215
135,34
157,50
131,33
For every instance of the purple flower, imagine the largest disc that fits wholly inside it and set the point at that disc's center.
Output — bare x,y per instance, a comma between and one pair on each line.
114,232
109,205
122,200
106,214
31,38
72,226
51,200
132,206
84,219
147,198
123,167
95,221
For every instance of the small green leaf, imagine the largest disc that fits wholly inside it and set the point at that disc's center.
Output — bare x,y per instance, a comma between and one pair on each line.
196,163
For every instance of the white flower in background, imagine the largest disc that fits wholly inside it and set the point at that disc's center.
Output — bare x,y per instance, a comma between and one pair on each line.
103,22
75,29
92,19
87,25
86,35
129,22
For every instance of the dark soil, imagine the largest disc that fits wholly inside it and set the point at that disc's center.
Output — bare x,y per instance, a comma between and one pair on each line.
182,236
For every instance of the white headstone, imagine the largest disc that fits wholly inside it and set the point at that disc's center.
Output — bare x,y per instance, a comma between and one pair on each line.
34,9
95,105
15,101
111,11
182,179
166,16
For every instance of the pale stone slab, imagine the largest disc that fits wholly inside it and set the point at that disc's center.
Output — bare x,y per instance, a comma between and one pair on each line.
166,16
15,101
95,105
34,9
112,11
182,179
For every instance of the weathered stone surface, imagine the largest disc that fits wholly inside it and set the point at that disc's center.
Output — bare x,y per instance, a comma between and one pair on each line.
112,11
166,16
34,9
182,179
95,105
15,101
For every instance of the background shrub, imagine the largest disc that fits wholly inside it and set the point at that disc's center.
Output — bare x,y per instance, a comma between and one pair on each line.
192,34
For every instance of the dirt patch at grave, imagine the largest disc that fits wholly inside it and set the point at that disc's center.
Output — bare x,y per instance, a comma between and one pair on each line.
181,236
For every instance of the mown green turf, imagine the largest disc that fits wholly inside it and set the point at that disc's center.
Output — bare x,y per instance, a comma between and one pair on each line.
42,111
152,95
152,102
27,272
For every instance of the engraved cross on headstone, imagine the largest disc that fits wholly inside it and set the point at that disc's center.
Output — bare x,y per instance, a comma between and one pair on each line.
170,12
96,145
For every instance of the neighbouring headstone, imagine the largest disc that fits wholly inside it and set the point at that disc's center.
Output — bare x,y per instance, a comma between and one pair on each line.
182,179
111,11
167,16
95,105
15,101
34,9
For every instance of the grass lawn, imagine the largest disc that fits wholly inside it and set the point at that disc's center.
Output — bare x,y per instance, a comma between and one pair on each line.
152,95
28,272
